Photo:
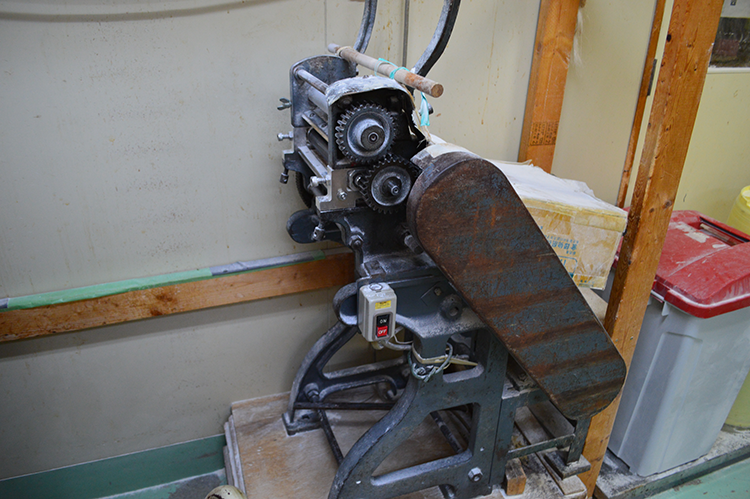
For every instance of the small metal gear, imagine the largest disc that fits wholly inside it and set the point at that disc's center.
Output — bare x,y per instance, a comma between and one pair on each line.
365,132
387,185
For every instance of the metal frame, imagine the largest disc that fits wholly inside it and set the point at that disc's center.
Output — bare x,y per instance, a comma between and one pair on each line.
493,393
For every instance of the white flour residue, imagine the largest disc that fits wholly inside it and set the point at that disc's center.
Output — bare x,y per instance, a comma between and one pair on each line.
691,232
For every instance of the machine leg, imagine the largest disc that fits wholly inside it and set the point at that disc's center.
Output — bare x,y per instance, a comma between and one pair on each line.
463,475
312,385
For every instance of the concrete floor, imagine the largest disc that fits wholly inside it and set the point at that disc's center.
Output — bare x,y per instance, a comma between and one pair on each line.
732,482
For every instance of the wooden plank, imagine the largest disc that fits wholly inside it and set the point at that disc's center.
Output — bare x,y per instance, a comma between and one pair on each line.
549,72
649,68
335,270
683,70
302,466
515,478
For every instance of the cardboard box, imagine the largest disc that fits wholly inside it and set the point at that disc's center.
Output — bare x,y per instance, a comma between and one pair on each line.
583,230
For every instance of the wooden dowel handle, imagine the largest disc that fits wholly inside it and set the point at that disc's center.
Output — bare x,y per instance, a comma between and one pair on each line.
413,80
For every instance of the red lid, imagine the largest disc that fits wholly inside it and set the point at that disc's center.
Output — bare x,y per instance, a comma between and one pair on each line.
704,268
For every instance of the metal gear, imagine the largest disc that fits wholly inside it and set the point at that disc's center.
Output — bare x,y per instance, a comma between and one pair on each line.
387,184
365,132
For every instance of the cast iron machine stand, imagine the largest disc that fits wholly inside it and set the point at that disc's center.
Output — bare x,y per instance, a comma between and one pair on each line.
445,252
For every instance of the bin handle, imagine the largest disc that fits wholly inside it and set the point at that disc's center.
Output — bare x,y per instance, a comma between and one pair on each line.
722,233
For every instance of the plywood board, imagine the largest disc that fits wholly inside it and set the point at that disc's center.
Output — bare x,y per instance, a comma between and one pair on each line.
275,465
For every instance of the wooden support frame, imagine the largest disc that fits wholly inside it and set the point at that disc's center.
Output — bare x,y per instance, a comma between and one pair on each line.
549,72
649,68
687,53
334,270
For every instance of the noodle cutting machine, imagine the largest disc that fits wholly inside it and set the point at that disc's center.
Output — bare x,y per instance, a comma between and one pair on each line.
452,273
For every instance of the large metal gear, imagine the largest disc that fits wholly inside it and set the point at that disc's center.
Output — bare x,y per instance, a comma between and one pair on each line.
365,132
387,185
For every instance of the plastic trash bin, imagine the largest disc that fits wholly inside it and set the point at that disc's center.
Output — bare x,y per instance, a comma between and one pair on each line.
693,352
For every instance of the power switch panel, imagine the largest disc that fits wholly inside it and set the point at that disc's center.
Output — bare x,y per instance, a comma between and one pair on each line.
377,311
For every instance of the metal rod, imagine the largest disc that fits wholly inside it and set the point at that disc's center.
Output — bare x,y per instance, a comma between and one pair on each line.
447,433
576,447
365,29
311,79
401,75
317,167
439,39
326,425
405,47
319,99
344,406
547,444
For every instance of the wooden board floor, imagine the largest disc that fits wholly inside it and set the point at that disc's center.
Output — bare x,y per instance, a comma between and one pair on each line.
270,464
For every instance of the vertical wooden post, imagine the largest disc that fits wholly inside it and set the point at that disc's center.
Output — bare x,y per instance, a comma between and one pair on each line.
649,69
549,71
683,69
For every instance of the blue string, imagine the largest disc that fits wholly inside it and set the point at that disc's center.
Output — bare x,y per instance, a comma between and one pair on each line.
393,73
424,111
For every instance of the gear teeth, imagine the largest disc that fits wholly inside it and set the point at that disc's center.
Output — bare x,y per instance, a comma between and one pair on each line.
349,117
389,160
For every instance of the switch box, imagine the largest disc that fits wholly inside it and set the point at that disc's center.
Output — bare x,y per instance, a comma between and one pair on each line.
376,314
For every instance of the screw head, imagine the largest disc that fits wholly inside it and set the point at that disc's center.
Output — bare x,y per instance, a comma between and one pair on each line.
341,195
475,474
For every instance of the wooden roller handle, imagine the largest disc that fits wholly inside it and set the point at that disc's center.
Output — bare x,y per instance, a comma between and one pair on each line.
413,80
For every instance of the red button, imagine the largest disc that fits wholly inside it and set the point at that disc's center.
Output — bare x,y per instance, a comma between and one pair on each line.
382,331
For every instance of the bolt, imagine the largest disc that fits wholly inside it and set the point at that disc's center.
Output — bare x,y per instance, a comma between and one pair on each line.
392,187
318,233
341,195
475,474
284,136
359,181
438,291
411,243
356,242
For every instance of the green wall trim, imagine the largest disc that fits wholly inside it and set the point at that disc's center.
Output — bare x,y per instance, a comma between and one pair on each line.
121,474
137,284
106,289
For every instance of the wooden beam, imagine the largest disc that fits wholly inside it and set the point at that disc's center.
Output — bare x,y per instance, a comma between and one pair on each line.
649,68
335,270
687,52
515,478
549,71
